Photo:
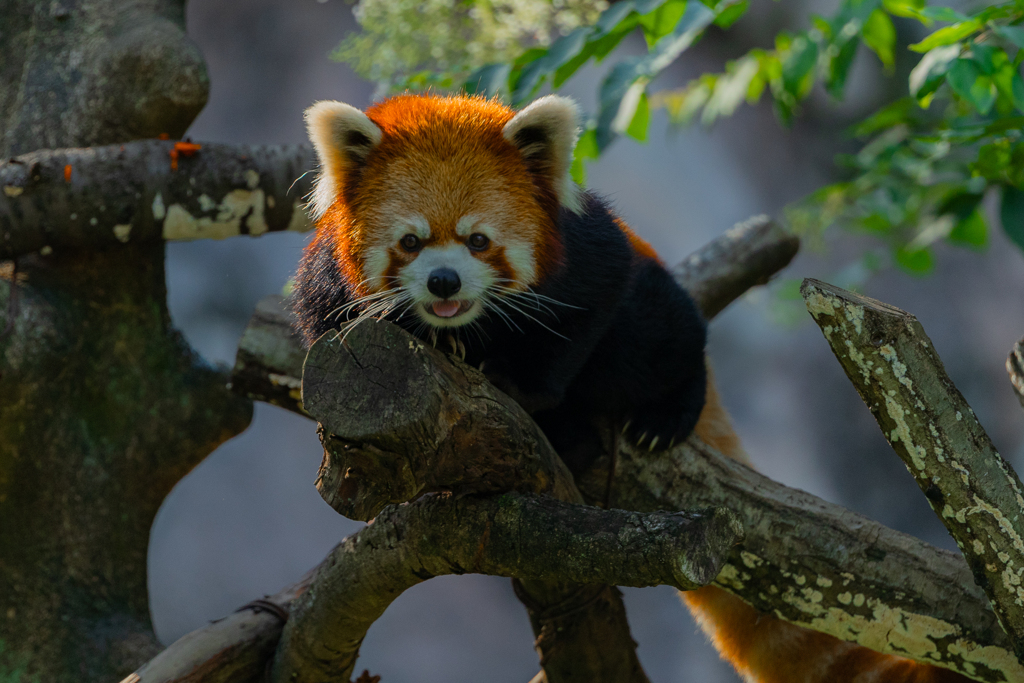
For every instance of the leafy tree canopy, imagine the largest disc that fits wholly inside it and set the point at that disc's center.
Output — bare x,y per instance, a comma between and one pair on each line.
925,163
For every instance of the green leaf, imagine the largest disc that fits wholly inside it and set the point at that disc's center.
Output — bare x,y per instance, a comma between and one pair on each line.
641,120
731,14
967,81
903,8
930,72
916,261
660,22
948,36
731,89
621,89
612,17
586,148
892,115
803,55
1014,34
1011,212
942,14
972,231
839,69
880,36
488,80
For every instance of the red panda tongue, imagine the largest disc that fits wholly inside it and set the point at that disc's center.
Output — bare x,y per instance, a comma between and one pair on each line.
445,309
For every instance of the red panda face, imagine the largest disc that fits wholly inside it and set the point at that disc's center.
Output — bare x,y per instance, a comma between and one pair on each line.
438,207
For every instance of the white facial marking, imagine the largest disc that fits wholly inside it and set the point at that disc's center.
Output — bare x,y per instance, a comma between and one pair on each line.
475,275
466,225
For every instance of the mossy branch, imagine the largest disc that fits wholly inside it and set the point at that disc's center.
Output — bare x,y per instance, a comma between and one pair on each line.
975,493
99,197
523,536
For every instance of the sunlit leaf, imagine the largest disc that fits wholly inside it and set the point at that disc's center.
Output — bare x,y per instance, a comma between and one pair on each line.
930,72
660,22
903,8
731,14
880,36
641,120
948,36
972,231
915,261
586,148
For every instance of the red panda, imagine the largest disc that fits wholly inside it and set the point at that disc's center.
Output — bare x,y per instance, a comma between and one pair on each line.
457,216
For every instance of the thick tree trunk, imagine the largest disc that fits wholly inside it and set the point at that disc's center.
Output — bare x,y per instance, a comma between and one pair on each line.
103,407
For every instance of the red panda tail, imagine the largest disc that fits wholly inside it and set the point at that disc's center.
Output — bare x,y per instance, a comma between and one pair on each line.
765,649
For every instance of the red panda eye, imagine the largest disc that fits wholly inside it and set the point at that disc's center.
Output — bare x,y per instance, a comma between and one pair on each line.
478,242
410,242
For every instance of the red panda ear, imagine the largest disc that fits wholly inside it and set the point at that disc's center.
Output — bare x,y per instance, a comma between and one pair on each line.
342,136
545,133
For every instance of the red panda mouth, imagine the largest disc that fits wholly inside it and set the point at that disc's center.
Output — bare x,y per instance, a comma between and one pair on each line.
449,309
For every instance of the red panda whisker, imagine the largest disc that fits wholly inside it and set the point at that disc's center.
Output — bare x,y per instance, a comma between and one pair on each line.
504,316
505,300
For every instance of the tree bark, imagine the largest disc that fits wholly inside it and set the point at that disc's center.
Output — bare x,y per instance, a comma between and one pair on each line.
821,566
522,536
976,494
103,407
64,200
399,419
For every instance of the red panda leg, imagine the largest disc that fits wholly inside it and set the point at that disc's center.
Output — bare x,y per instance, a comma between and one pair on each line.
765,649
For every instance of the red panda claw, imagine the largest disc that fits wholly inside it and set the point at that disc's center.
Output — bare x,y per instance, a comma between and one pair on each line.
625,427
640,441
654,442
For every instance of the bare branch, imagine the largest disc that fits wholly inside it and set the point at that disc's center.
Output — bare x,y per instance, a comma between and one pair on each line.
1015,366
522,536
746,256
235,649
977,495
99,197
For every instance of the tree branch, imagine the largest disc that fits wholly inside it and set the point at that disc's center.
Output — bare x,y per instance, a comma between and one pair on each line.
399,419
977,495
522,536
746,256
821,566
98,197
269,366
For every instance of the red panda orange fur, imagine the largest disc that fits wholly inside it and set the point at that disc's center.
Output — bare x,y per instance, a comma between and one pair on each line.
459,130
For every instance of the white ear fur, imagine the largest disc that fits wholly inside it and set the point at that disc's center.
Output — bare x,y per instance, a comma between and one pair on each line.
547,130
342,136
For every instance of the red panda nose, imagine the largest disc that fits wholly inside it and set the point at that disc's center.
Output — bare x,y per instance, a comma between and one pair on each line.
444,282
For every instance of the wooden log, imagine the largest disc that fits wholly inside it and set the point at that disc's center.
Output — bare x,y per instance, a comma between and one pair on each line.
973,490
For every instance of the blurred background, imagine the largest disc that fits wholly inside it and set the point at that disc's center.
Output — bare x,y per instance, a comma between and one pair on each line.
248,521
